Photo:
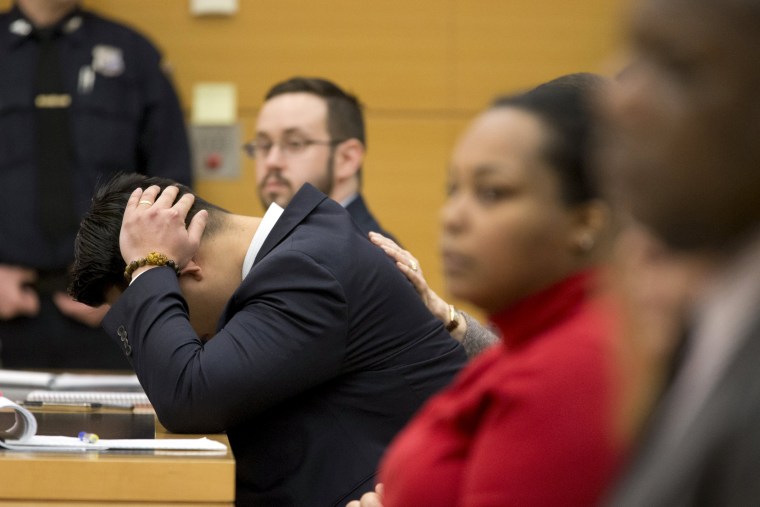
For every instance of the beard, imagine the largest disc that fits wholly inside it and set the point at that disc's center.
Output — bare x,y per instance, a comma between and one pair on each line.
324,183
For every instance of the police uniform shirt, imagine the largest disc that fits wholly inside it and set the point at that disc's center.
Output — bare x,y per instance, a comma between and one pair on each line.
124,114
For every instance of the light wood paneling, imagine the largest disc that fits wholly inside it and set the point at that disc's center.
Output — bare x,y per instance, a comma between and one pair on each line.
393,53
506,45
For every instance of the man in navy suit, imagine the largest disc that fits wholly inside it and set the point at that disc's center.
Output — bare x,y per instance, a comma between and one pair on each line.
309,130
292,332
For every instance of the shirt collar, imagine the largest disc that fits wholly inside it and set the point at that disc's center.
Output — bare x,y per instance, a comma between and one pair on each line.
19,27
348,200
265,227
16,27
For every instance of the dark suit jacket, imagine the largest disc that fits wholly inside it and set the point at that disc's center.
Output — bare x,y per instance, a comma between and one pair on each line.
718,463
364,219
322,355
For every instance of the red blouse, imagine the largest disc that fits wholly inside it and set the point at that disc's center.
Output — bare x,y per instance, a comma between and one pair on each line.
528,423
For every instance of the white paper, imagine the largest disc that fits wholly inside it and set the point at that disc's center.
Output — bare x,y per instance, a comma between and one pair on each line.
71,381
25,425
57,443
11,378
74,381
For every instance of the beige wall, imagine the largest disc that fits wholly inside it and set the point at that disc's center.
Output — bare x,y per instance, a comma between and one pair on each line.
422,68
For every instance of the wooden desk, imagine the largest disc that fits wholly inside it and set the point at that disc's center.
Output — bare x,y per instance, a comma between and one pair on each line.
126,479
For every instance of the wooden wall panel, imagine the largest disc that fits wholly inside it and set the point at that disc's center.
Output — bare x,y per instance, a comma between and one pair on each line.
394,53
506,45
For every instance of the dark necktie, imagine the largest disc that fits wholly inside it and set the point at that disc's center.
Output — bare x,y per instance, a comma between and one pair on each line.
57,213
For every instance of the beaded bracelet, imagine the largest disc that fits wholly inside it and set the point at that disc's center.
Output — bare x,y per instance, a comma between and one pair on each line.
152,259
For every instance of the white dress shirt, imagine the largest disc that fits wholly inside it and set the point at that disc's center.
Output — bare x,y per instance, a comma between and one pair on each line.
265,227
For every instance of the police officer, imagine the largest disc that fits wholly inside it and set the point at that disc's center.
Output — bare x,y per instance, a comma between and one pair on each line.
81,98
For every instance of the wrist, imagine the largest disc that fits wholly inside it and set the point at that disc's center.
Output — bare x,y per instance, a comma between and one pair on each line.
152,260
454,319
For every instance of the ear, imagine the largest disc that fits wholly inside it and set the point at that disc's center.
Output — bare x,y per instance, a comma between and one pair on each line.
193,270
349,156
591,222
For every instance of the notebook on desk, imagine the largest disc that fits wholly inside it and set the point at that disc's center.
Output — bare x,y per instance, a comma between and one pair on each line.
47,387
112,398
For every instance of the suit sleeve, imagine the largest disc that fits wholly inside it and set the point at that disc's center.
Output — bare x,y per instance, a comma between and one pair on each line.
287,335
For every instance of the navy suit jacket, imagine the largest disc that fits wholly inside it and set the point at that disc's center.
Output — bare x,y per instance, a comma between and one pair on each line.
364,219
322,354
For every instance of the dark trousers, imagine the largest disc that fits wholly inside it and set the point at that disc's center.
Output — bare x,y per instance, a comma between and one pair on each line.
53,341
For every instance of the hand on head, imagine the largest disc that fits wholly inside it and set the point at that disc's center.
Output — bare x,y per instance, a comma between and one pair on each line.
153,222
17,296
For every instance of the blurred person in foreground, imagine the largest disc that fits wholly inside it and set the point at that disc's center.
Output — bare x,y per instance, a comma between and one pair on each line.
291,332
529,422
682,156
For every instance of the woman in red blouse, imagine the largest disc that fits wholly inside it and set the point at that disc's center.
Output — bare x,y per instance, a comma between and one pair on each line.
529,421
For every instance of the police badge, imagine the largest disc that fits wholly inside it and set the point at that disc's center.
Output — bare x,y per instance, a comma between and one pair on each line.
107,60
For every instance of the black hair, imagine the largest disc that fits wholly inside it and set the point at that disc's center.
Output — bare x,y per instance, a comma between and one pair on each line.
345,119
98,264
565,106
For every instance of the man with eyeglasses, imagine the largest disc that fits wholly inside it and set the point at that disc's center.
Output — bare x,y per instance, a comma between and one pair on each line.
309,130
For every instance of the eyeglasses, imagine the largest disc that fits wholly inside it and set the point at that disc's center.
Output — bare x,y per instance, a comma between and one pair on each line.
288,147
